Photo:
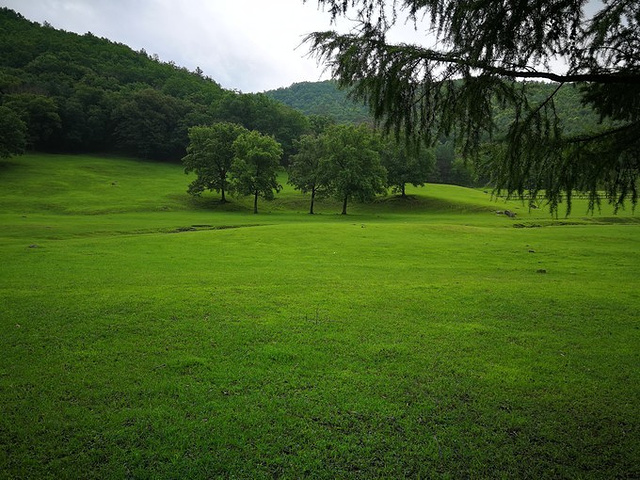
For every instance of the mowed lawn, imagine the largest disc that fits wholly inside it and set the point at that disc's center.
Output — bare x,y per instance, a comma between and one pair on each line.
146,334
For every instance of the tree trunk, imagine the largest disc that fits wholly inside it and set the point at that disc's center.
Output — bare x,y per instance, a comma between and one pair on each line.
223,183
344,205
404,194
313,197
255,202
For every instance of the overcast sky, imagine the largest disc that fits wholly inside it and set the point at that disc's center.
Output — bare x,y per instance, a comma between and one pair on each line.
248,45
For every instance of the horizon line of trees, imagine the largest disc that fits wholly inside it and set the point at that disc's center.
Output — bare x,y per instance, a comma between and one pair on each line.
345,162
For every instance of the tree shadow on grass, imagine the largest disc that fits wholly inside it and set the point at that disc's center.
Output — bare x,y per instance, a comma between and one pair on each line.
6,165
423,203
210,203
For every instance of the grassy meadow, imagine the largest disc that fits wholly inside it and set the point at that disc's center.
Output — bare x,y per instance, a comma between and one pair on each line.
150,335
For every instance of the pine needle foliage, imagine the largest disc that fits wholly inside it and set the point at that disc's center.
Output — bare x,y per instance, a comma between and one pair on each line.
482,53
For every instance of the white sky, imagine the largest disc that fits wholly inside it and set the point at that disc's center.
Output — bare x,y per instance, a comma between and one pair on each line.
248,45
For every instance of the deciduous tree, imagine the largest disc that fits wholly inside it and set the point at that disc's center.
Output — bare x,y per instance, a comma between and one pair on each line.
257,111
39,113
148,125
210,154
307,170
352,164
13,133
254,170
407,163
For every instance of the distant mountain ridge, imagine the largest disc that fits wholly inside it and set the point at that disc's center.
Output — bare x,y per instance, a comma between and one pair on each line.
326,98
322,98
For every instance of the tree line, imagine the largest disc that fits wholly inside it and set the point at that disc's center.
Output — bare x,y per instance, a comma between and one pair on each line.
343,161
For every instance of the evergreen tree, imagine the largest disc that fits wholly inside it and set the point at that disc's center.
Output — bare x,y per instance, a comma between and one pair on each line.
451,85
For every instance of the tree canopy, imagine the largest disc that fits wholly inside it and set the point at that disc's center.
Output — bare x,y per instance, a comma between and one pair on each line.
254,170
264,114
352,163
307,169
406,163
472,58
13,133
210,154
322,98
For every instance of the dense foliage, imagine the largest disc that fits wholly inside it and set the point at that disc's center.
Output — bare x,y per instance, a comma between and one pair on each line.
13,133
210,154
63,92
450,84
80,93
352,163
343,161
306,171
322,98
407,164
254,169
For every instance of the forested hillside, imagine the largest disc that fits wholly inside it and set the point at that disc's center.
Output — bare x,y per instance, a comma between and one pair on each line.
63,92
322,98
326,98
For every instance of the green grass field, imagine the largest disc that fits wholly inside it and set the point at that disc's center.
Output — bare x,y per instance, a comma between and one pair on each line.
147,334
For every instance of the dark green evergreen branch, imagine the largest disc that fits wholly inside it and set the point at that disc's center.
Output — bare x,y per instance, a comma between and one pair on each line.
327,42
607,78
601,135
